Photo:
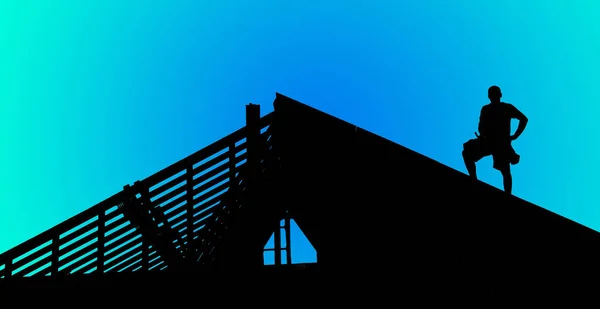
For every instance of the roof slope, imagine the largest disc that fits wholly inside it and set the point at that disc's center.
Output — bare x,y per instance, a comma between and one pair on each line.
367,205
366,202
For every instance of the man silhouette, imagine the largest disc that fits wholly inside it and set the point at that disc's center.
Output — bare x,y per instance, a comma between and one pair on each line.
494,137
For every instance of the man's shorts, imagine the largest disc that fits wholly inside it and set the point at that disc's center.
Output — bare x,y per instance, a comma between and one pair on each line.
502,153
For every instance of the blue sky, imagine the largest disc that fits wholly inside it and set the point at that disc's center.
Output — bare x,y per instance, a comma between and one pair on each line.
95,95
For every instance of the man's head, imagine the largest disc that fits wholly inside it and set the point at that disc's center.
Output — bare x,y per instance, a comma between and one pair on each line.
494,94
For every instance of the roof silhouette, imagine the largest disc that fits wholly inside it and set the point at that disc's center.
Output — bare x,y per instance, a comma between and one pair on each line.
369,206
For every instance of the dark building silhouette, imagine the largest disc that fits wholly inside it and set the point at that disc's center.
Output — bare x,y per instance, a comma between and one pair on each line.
386,222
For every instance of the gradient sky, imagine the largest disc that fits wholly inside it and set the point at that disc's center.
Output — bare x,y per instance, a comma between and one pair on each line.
97,94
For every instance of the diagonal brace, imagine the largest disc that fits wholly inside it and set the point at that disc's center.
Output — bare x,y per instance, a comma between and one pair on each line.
147,220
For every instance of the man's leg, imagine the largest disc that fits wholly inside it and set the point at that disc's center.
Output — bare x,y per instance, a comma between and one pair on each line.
469,164
507,179
514,157
504,155
473,151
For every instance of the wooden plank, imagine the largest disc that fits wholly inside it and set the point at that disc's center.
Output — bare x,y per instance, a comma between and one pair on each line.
35,266
138,263
74,234
126,263
168,185
69,269
120,241
120,251
198,180
83,251
204,166
210,193
78,243
26,260
195,157
110,227
126,256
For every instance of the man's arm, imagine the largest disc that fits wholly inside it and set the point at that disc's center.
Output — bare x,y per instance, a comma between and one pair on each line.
482,127
522,122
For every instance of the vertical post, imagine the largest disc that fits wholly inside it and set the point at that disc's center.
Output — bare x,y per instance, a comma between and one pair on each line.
232,171
253,148
55,246
253,143
8,268
190,206
251,255
278,244
232,195
100,253
253,129
288,239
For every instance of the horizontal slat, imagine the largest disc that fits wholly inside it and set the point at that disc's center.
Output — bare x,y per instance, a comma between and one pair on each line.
204,221
111,215
170,195
79,263
208,203
224,157
208,208
175,213
182,189
81,252
42,271
137,264
166,186
82,230
91,266
87,268
223,167
110,227
35,266
205,205
218,170
61,228
210,193
26,260
78,243
211,184
182,198
202,188
155,262
195,157
119,242
181,178
131,260
117,253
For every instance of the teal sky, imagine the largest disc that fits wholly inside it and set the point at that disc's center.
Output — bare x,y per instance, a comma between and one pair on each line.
97,94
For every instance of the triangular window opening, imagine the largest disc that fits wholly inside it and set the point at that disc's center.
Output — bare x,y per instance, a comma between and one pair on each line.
301,248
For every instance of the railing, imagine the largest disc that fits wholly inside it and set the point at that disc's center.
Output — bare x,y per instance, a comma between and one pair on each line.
223,212
101,239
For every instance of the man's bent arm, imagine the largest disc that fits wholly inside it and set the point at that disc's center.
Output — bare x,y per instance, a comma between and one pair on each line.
522,124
